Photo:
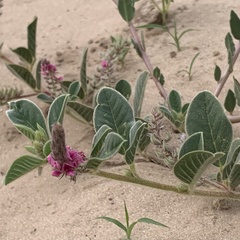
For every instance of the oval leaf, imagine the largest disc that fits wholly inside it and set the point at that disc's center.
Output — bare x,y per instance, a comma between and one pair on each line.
124,88
175,101
217,73
235,25
74,88
126,9
112,110
230,101
25,112
205,114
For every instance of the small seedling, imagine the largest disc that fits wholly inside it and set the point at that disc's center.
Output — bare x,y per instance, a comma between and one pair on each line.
164,10
174,35
189,71
129,227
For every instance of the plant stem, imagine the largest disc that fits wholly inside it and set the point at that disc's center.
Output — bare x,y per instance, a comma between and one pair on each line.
147,62
166,187
229,70
145,58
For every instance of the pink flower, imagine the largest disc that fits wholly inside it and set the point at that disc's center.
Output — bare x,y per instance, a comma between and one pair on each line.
49,71
104,63
69,167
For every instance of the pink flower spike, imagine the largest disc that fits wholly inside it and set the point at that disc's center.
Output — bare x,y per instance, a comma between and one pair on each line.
104,63
68,168
49,71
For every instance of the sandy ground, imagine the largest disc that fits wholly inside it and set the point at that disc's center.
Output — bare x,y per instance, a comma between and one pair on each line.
48,208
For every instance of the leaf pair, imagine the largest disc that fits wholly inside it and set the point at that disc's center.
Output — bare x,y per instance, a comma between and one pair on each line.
28,57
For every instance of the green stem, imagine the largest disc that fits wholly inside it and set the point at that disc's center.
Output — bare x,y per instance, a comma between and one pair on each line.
166,187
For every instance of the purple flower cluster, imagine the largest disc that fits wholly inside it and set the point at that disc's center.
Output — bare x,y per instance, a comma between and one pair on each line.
104,64
49,71
69,167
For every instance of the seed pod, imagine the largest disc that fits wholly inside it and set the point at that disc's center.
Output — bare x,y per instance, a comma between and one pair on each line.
58,143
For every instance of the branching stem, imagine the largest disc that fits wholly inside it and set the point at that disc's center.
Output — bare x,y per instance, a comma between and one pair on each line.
166,187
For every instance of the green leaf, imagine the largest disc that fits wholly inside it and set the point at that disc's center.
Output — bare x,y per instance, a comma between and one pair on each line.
193,143
27,131
165,111
205,114
126,214
47,148
32,31
24,54
234,177
31,149
21,166
145,137
56,111
23,74
134,139
112,110
231,158
124,88
99,139
175,101
139,93
83,72
230,101
235,25
81,111
45,98
38,76
230,48
237,90
113,143
151,221
74,88
27,113
190,167
185,108
217,73
126,10
114,221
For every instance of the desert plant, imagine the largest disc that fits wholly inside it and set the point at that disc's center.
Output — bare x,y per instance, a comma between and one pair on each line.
189,71
175,36
119,130
128,228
